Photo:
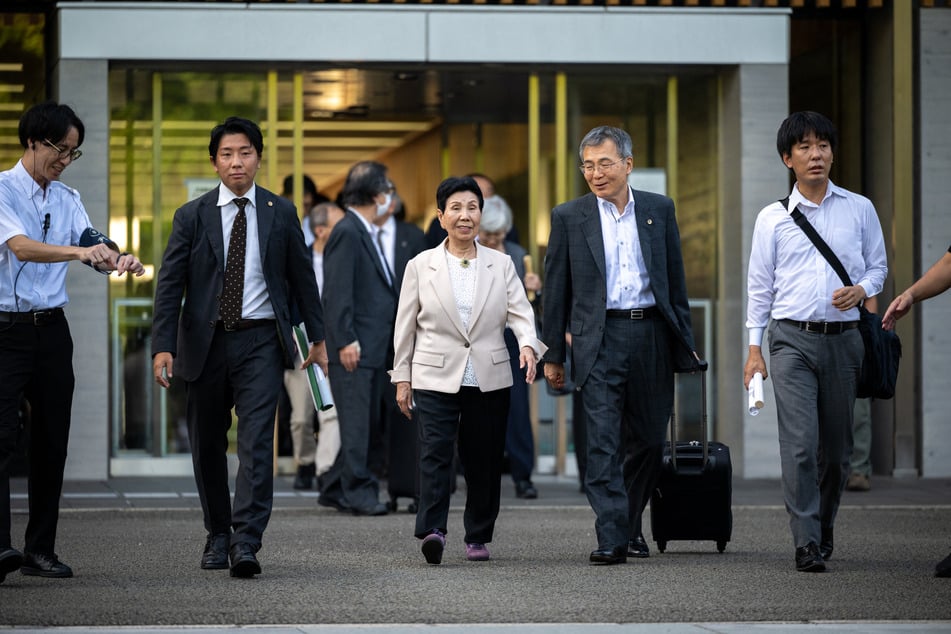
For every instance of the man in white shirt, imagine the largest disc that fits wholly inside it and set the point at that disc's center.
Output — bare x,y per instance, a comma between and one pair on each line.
815,347
43,225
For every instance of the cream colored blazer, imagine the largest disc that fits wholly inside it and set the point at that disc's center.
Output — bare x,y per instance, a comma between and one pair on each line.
431,344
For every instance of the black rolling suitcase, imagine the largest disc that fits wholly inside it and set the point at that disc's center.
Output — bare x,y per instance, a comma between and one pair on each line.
694,494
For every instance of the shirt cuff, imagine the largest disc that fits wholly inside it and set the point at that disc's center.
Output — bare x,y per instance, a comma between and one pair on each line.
756,336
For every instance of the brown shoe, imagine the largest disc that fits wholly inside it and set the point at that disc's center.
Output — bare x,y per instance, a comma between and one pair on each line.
858,482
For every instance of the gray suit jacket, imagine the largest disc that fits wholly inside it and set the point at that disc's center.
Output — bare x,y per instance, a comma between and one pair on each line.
359,303
193,266
575,297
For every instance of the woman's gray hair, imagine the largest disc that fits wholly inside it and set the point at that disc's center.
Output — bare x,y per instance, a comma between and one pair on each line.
597,136
496,215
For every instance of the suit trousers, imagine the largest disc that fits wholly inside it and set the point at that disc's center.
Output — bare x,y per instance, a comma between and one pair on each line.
519,440
860,460
357,394
627,399
478,419
814,382
244,370
38,365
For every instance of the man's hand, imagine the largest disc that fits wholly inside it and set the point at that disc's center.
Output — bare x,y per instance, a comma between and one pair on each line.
847,297
754,363
897,309
162,368
99,256
350,357
317,355
128,262
555,375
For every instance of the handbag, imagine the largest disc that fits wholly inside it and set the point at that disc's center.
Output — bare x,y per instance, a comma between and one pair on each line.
879,372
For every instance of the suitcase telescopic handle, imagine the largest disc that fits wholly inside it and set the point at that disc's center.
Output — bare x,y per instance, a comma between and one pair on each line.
702,368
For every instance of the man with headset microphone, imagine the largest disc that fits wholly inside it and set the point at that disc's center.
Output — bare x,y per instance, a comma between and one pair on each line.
43,226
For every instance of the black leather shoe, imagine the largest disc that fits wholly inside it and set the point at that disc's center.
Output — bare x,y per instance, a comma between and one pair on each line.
609,556
243,562
10,560
329,502
825,544
305,477
526,490
215,556
377,509
808,559
39,565
637,547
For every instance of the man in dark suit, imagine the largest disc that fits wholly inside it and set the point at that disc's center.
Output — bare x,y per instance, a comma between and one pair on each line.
614,280
235,254
360,306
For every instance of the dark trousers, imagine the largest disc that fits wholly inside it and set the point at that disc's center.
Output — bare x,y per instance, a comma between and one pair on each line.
479,420
627,397
519,440
350,481
244,370
37,363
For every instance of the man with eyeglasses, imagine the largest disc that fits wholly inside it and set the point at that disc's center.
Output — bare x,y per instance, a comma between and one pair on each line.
614,282
43,226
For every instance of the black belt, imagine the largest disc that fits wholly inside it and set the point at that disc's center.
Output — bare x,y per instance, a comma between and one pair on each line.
651,312
246,324
823,327
35,317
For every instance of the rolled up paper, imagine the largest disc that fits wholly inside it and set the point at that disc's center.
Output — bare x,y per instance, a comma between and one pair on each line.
756,394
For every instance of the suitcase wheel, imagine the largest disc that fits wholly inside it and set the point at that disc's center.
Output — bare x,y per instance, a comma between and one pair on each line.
661,546
721,546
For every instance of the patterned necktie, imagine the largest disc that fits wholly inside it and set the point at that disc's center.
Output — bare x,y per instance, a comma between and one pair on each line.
232,295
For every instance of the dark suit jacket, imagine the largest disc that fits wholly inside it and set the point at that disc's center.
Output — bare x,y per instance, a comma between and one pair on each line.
193,266
410,242
359,303
575,297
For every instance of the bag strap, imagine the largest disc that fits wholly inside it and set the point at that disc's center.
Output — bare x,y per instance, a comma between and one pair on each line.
817,240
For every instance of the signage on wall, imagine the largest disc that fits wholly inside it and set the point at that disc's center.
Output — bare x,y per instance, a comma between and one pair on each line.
195,187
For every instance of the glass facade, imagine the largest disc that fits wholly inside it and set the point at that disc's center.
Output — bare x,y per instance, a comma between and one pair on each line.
424,124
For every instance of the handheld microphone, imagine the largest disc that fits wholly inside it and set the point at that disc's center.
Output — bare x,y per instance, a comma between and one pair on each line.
46,226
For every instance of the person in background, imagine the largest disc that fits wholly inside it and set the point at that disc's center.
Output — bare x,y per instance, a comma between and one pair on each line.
360,305
815,347
43,226
311,197
614,281
860,462
311,451
519,439
451,365
237,257
934,282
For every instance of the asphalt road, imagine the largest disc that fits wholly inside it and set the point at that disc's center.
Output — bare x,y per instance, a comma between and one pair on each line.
136,560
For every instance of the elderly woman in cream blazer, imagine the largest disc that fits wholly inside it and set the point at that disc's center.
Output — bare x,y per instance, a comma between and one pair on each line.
451,365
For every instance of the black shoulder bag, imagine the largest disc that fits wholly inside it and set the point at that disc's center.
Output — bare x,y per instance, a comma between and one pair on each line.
882,347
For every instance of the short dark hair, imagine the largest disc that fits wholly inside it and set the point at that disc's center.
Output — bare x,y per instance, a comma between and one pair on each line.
236,125
454,185
597,136
309,186
799,125
49,121
365,180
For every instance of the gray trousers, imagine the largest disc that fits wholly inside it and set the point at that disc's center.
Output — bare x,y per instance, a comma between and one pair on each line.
627,399
814,381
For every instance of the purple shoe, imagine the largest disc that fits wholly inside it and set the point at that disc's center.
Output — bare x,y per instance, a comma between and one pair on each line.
477,552
433,545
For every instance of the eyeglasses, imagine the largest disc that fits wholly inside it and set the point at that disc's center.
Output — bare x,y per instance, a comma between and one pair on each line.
602,166
72,154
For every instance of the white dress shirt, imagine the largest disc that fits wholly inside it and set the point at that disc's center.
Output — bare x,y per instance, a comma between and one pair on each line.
790,279
256,303
628,280
23,209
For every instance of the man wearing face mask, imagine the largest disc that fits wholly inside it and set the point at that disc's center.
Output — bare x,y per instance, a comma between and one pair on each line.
359,301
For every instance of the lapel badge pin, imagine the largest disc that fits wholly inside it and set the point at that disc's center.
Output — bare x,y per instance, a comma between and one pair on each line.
270,203
650,221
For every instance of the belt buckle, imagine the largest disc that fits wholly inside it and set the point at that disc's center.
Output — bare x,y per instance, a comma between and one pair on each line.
229,328
637,313
40,317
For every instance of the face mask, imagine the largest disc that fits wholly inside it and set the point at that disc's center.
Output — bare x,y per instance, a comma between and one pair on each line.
384,206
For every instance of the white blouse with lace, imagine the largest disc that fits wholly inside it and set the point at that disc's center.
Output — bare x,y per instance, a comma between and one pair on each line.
462,274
